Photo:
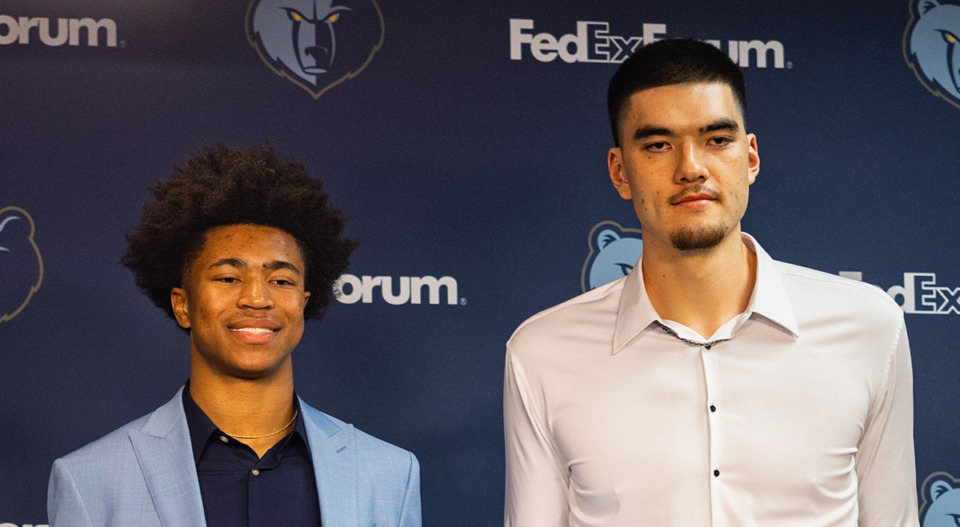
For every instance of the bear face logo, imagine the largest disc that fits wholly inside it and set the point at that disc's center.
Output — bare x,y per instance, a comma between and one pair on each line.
21,268
941,501
930,47
613,253
316,44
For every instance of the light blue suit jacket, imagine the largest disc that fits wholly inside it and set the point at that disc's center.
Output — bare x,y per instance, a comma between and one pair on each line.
144,474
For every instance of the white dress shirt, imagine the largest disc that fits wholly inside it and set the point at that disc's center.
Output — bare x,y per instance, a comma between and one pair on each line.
797,412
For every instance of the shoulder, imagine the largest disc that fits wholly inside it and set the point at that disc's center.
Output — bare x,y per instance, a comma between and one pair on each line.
855,291
368,447
836,296
588,312
110,449
98,477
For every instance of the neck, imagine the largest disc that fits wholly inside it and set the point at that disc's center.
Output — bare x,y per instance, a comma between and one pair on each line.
248,407
700,290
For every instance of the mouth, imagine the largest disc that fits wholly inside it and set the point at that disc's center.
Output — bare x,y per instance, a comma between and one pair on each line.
694,198
254,331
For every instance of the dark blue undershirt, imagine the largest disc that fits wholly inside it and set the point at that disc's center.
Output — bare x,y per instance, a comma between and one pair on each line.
238,489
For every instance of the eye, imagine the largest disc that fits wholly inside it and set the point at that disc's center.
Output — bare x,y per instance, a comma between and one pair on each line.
294,15
625,268
720,141
950,38
659,146
333,17
227,279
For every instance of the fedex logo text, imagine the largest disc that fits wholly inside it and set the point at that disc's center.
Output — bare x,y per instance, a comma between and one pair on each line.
592,42
920,294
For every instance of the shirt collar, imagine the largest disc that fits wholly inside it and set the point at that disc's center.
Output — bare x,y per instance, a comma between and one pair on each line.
768,300
202,428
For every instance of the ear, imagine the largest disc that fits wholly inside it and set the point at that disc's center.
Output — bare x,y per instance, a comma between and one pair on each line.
939,488
178,299
606,237
306,296
753,158
617,174
924,6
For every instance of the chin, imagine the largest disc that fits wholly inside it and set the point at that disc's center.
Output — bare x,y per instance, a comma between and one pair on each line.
698,239
252,373
257,366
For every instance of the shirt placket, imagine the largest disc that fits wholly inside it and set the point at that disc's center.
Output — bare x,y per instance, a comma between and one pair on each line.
258,479
711,376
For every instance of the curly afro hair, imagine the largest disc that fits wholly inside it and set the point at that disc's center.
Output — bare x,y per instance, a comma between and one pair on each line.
227,186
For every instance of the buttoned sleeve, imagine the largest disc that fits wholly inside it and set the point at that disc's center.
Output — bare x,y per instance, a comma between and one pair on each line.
536,482
885,460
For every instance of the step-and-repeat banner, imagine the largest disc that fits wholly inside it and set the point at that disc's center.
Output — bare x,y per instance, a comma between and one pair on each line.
467,144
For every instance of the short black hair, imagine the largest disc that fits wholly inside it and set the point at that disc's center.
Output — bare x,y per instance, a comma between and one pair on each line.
666,62
230,186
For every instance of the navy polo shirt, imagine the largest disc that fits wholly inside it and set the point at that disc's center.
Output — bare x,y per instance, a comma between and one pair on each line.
239,489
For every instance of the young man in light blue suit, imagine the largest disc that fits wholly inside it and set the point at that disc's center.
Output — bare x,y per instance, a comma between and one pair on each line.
233,248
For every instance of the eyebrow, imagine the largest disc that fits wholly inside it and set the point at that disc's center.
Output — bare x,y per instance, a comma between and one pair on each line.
721,124
649,130
240,264
653,130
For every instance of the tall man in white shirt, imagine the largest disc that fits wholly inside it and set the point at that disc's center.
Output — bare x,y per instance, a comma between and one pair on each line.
713,385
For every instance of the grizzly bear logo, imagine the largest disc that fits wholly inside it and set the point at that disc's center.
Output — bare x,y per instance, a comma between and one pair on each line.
941,501
316,44
930,46
613,253
21,267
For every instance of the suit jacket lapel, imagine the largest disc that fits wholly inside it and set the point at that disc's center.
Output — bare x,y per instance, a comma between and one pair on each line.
166,458
334,453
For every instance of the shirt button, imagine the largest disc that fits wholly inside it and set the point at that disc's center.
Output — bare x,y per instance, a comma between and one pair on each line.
713,408
255,472
716,473
224,439
708,346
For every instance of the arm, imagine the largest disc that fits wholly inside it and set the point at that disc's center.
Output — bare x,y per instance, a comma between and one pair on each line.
885,465
410,509
536,480
65,507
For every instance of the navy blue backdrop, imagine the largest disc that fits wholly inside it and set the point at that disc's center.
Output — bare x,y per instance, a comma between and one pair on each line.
467,142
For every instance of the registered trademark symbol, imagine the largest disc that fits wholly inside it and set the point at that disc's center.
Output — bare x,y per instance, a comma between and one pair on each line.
463,301
789,65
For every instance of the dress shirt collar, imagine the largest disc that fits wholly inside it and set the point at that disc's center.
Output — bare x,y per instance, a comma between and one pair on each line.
202,428
768,300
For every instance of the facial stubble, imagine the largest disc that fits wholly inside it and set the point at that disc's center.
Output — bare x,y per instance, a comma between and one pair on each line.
698,239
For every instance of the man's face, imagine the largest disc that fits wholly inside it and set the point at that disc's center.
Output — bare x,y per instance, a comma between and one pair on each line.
687,163
243,299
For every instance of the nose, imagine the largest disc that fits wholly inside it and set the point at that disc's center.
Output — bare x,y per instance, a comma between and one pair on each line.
319,53
691,167
255,294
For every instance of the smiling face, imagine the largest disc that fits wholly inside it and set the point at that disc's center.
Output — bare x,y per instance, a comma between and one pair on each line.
242,300
686,162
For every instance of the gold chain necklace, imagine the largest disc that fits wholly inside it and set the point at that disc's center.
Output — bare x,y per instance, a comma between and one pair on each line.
235,436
